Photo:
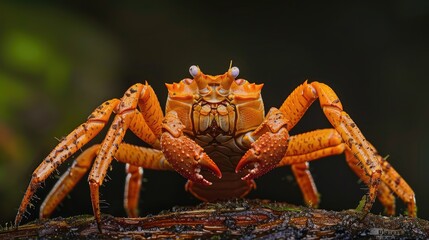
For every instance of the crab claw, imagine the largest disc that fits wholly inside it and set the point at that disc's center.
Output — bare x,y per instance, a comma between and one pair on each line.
264,154
188,158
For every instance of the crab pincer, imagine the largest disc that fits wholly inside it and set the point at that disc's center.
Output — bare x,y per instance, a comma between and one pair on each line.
267,151
185,155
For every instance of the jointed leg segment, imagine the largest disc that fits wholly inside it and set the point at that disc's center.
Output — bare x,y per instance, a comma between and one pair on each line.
305,182
135,157
345,137
343,124
146,125
133,184
326,142
67,147
127,117
68,181
306,147
385,195
373,168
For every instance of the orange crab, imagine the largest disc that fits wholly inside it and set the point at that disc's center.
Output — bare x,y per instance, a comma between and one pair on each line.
215,134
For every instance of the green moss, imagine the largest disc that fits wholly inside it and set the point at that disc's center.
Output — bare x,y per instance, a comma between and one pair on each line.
281,207
361,204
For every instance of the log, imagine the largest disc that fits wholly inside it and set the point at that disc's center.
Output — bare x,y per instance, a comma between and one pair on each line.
248,219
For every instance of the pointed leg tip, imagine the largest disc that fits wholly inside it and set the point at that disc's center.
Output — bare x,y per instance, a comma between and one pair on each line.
18,219
16,225
98,223
363,215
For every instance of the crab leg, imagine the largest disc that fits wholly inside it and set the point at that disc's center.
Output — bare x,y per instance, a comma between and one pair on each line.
312,145
133,184
150,118
361,149
127,117
305,181
353,138
136,157
306,147
151,110
393,181
68,181
304,96
296,105
105,155
67,147
385,195
321,143
398,185
147,158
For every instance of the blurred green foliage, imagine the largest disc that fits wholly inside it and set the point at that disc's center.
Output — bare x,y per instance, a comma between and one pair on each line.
45,65
24,54
34,56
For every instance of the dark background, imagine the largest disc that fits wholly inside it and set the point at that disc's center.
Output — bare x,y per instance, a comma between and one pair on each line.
60,61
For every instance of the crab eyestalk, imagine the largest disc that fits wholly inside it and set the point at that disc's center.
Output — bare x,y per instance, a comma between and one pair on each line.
226,82
198,78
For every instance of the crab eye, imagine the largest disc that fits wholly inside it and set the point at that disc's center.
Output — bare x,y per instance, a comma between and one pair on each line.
193,70
234,72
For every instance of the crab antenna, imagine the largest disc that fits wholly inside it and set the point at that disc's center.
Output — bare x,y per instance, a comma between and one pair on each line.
230,65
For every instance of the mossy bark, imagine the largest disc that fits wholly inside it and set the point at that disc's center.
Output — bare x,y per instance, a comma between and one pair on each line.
232,219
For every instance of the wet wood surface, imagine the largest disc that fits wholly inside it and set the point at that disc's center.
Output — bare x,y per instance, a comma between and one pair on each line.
246,219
